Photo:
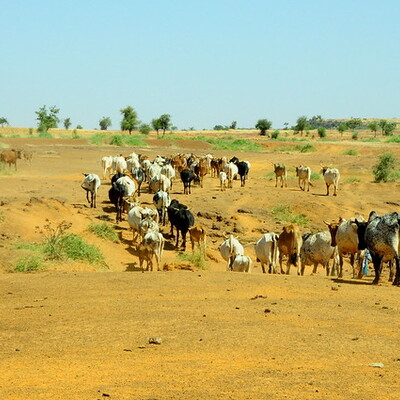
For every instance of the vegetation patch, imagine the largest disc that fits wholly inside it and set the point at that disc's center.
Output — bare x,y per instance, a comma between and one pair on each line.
315,176
75,248
385,169
45,135
284,214
352,180
118,140
196,258
104,231
29,263
350,152
394,139
371,139
305,148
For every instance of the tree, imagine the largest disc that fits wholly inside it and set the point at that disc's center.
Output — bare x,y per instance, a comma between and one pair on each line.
382,124
301,124
373,126
144,128
3,121
389,128
47,119
321,132
342,129
384,168
129,121
165,122
105,123
286,125
263,125
155,123
354,123
67,123
79,127
233,125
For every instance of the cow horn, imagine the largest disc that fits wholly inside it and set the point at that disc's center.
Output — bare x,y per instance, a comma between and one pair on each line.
326,223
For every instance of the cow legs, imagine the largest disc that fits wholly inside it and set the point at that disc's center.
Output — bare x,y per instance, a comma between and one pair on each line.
340,266
376,259
396,281
327,189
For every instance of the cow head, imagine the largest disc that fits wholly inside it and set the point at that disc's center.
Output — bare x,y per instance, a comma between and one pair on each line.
333,227
361,228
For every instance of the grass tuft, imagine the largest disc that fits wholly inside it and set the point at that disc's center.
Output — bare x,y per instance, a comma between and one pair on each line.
284,214
350,152
29,263
196,258
104,231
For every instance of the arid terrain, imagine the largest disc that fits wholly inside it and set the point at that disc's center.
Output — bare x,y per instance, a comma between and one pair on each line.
77,331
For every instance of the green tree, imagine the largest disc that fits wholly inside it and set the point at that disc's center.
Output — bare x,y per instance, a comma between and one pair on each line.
233,125
353,123
389,128
144,128
129,121
105,123
155,123
384,168
263,125
165,122
342,129
321,132
382,124
79,127
3,121
67,123
301,124
47,119
373,127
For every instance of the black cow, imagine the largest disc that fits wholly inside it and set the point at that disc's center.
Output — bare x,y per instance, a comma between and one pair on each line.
381,236
181,218
187,176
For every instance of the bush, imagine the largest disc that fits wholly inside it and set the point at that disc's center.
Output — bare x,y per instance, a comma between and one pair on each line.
384,169
350,152
75,248
354,136
116,140
196,258
321,132
275,134
29,264
104,231
284,214
75,134
145,129
45,135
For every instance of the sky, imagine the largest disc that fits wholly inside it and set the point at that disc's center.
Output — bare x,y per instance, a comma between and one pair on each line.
205,62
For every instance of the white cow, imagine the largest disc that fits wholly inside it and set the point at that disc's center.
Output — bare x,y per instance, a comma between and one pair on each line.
160,182
91,184
107,166
304,175
222,180
267,251
119,164
162,200
331,177
317,249
154,242
231,171
229,249
242,264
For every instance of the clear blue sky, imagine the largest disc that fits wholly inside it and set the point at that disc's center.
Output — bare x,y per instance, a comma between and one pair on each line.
204,62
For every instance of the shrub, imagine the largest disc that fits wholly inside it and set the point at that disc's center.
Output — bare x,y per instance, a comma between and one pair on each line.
145,129
45,135
350,152
384,169
29,264
116,140
75,248
75,134
196,258
53,239
321,132
354,136
275,134
394,139
104,231
284,214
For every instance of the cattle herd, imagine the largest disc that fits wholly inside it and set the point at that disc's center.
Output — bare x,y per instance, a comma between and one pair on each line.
376,239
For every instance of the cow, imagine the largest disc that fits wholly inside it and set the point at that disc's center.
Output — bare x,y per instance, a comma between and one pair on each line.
344,236
229,249
153,241
331,177
231,172
201,169
119,164
138,174
198,235
289,244
160,182
181,218
162,201
141,219
107,166
122,187
243,170
242,263
10,157
267,252
304,175
280,173
222,180
316,249
381,235
91,184
168,171
187,176
179,163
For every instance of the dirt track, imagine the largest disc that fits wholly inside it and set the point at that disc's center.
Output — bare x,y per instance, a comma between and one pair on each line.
79,333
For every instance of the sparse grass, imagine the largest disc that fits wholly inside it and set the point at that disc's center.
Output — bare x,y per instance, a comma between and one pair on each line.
315,176
118,140
284,214
238,145
29,263
5,170
104,231
196,258
393,139
306,148
371,139
45,135
352,180
29,246
75,248
350,152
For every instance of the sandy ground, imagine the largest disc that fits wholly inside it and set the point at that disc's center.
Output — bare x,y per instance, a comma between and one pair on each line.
77,331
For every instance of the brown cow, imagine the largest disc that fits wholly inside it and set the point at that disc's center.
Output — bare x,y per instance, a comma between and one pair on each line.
289,244
280,172
201,169
10,157
198,235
